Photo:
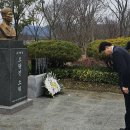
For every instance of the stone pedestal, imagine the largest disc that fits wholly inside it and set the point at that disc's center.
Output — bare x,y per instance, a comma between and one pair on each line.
13,72
16,107
35,85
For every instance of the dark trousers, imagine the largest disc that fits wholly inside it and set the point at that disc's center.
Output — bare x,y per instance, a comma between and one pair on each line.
127,115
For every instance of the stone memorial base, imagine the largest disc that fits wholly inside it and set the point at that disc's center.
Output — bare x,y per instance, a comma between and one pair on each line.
35,83
15,108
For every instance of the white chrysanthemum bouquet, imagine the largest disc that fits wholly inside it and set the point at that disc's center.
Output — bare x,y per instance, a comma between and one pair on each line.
51,84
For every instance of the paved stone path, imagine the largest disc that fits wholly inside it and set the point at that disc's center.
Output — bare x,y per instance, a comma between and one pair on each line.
74,110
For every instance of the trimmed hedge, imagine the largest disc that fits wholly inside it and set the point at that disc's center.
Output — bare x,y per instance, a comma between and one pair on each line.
54,49
101,75
92,49
95,76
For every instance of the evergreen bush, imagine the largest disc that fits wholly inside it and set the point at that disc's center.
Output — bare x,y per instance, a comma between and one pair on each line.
100,75
57,52
92,49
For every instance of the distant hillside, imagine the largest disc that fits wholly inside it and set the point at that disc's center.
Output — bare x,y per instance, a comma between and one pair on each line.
31,30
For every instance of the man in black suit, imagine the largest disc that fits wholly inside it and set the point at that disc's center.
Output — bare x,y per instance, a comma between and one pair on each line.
128,46
121,63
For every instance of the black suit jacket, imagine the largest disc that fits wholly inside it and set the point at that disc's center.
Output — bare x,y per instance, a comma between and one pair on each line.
121,62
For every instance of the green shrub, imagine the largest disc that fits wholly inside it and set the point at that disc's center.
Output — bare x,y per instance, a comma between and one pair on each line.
101,75
92,49
58,51
62,73
96,76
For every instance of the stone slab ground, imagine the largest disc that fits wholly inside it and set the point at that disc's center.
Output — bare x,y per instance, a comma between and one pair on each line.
73,110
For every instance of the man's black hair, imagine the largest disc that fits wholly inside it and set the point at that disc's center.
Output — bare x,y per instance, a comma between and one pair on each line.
103,45
127,45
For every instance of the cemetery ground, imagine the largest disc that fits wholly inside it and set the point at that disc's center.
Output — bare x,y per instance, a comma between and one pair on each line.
71,110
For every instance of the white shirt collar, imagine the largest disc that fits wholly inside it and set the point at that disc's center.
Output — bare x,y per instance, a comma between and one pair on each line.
112,48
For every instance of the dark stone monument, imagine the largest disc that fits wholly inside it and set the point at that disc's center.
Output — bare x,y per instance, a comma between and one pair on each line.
13,67
39,66
13,72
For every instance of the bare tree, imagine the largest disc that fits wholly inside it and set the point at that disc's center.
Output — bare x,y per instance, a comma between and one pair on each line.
51,12
110,27
127,24
119,8
36,20
77,20
66,23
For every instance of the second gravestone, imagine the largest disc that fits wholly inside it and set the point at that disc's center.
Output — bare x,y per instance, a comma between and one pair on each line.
13,72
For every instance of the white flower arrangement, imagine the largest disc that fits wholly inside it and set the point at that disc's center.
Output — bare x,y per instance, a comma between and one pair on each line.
52,84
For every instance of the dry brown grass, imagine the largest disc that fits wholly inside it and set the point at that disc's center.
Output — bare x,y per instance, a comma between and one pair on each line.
98,87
